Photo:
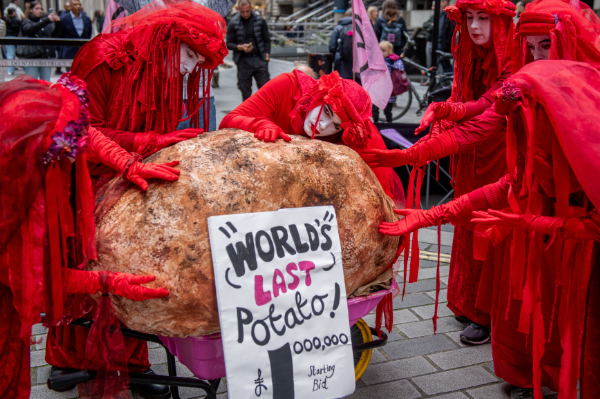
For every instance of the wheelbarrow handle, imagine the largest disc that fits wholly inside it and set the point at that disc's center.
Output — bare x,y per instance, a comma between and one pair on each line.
63,381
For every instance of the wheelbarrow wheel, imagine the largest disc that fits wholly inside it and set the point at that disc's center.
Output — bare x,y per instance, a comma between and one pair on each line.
361,333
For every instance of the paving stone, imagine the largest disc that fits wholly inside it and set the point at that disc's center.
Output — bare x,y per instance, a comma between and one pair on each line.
443,295
43,373
38,329
455,336
490,367
430,236
394,335
40,342
360,384
454,380
404,316
377,357
397,370
496,391
444,280
453,395
420,286
426,312
445,249
42,392
429,264
37,358
411,300
152,345
425,327
462,357
183,371
397,389
418,346
157,356
448,227
427,273
370,319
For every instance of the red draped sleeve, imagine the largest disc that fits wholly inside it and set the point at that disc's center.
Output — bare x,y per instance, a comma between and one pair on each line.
481,128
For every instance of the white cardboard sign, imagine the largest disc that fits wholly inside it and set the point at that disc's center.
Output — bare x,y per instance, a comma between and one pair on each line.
282,304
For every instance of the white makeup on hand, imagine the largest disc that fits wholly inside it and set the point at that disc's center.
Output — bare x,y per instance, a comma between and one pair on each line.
479,24
539,46
188,59
329,122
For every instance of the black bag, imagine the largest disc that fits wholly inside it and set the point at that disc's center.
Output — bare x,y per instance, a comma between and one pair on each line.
400,82
346,50
29,51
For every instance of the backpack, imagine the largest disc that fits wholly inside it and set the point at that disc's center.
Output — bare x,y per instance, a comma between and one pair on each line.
345,47
392,33
400,82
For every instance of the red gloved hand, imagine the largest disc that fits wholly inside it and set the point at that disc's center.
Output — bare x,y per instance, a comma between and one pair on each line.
271,134
138,172
389,158
442,110
166,140
123,284
455,212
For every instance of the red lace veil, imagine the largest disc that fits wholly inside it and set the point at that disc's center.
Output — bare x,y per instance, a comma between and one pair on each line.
146,52
466,52
43,125
573,27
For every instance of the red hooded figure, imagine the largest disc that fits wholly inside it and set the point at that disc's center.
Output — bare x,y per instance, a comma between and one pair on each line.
138,72
331,109
46,214
480,69
552,216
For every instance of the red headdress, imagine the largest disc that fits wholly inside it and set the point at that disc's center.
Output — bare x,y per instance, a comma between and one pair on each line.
573,27
43,126
146,50
347,99
466,53
560,152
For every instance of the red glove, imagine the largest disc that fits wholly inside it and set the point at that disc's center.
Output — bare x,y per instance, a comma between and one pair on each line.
138,172
271,134
455,212
442,110
568,227
432,149
147,144
122,284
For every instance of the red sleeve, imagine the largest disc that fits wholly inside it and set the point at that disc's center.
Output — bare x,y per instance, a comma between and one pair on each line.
268,108
100,83
474,132
105,151
475,108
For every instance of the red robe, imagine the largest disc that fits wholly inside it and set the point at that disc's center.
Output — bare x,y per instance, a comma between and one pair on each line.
274,104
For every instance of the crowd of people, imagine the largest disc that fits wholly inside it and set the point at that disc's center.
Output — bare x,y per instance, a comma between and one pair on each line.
524,267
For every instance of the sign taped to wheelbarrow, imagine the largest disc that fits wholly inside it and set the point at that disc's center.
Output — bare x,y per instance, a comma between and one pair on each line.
282,304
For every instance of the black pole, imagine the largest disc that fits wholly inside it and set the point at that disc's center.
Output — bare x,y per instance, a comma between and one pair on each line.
436,32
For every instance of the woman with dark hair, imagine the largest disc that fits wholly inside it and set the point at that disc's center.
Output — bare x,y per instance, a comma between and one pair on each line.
391,26
37,25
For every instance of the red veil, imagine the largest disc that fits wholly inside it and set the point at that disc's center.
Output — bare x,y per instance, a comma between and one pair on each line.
146,54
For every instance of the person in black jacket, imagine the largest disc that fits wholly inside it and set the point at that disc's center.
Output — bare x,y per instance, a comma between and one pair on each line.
76,25
35,25
445,36
13,27
248,37
391,26
340,45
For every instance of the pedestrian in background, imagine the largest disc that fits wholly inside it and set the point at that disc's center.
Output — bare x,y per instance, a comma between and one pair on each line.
248,37
373,14
340,45
98,20
14,5
13,27
428,28
76,25
66,9
445,36
38,25
391,26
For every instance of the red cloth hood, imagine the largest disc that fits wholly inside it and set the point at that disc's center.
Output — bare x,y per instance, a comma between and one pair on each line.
466,52
573,27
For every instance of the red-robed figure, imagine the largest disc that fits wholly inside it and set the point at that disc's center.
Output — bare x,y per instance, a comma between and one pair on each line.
46,215
330,109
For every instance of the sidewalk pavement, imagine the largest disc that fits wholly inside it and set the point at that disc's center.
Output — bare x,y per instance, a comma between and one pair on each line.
415,363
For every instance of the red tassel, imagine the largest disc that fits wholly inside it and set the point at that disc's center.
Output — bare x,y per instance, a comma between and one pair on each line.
437,280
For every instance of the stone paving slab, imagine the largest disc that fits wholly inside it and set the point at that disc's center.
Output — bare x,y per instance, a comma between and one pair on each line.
425,328
397,370
454,380
462,357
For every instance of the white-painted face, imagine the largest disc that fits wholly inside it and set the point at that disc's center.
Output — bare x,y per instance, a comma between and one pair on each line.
188,59
539,46
479,25
329,123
